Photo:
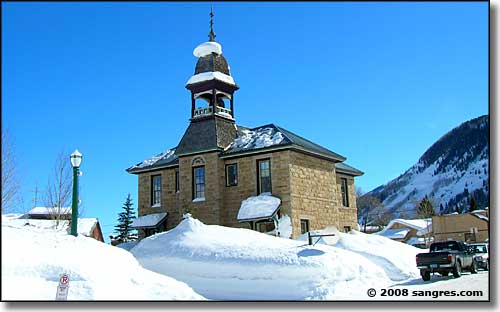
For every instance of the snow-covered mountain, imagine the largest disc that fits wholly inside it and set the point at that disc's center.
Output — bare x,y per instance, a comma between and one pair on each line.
451,171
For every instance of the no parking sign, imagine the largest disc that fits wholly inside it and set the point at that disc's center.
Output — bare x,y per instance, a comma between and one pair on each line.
62,288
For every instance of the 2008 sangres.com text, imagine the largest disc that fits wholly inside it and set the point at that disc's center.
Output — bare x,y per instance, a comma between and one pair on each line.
397,292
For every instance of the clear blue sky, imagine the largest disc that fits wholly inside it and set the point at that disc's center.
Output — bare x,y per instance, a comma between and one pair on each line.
375,82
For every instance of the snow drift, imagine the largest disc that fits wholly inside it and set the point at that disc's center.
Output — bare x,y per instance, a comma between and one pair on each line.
395,258
239,264
34,258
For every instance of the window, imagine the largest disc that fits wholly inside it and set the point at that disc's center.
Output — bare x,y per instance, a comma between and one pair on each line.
156,190
345,192
177,188
347,229
264,176
199,182
470,237
231,175
304,226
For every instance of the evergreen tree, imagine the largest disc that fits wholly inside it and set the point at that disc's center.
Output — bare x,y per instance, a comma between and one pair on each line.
125,218
473,204
425,208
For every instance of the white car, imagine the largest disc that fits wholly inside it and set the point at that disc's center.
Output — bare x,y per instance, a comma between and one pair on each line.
481,255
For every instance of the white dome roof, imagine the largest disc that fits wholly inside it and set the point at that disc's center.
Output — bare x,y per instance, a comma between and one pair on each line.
207,48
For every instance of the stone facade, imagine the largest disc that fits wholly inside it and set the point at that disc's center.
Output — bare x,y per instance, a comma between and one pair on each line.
308,186
463,227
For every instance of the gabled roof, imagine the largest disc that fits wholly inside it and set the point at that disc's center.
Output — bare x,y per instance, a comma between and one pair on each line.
214,134
272,136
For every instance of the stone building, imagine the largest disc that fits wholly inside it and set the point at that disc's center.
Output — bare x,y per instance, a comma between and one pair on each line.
218,164
468,227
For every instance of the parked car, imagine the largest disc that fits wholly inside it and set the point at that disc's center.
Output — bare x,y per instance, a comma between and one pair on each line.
481,255
446,257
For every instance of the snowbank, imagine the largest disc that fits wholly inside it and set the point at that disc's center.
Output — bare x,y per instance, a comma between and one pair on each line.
239,264
34,258
395,258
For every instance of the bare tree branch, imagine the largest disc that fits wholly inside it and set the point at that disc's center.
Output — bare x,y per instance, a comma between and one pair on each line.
10,180
58,192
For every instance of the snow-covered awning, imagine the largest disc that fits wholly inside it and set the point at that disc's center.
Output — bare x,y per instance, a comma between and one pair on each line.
149,221
394,233
259,207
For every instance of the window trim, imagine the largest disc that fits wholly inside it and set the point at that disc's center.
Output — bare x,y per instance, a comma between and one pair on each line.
153,191
194,182
227,176
344,191
258,175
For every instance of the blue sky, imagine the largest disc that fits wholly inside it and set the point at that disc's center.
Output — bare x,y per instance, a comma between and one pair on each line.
375,82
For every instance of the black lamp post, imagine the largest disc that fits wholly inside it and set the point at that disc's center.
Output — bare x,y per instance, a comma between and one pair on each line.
76,160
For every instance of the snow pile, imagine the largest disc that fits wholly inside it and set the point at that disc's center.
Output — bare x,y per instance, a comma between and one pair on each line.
149,220
285,227
259,138
34,258
397,259
262,206
239,264
207,48
206,76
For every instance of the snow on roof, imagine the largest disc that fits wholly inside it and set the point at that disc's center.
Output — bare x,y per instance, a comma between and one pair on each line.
394,233
207,48
48,210
263,206
423,226
167,156
480,216
259,138
85,225
206,76
150,220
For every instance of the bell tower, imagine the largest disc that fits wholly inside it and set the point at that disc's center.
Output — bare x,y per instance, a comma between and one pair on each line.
212,87
212,126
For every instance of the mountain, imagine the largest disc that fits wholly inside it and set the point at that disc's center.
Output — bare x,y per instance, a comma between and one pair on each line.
452,170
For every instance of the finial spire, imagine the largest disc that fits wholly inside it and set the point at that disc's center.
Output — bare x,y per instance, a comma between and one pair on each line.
211,34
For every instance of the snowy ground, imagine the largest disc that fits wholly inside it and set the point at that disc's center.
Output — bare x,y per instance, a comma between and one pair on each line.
220,263
237,264
34,258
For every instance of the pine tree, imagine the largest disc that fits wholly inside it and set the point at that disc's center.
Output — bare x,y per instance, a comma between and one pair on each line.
425,208
125,218
473,204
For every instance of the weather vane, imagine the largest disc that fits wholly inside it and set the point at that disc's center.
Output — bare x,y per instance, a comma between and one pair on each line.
211,35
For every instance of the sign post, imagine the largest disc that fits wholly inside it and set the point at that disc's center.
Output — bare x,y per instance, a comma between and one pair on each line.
62,288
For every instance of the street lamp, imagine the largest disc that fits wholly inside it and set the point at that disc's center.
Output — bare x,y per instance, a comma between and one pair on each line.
76,160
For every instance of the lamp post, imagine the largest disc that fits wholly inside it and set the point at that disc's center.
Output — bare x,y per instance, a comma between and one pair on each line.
76,160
